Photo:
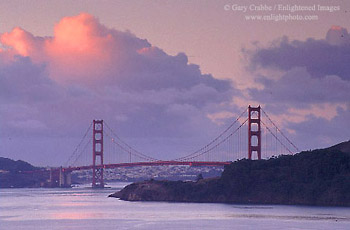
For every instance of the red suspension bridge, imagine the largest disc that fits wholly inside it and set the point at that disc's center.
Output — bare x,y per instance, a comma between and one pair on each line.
253,135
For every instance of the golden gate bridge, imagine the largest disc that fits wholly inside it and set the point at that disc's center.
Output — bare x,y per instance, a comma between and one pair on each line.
252,135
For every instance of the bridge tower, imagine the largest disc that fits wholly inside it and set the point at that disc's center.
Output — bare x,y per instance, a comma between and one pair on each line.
97,154
254,132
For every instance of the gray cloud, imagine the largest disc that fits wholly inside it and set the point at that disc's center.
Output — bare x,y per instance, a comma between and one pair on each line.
312,90
296,87
23,81
316,132
319,57
142,92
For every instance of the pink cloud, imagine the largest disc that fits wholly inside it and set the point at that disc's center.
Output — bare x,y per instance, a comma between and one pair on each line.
21,42
81,50
85,52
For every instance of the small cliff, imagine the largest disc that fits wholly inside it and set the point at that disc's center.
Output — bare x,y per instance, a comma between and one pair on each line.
171,191
318,177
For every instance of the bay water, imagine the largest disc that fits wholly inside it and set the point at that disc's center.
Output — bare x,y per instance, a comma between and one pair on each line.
85,208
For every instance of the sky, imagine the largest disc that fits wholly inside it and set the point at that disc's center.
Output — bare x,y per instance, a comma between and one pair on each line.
168,76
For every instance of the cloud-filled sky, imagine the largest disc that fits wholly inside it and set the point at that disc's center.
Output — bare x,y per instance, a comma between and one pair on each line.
168,78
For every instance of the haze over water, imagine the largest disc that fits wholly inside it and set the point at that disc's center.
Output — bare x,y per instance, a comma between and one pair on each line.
84,208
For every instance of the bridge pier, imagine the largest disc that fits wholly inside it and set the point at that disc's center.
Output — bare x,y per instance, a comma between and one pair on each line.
97,154
59,178
254,131
65,179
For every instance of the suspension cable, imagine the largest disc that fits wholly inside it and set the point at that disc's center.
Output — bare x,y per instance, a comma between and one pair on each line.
215,146
81,141
131,148
276,138
214,140
290,142
86,145
138,154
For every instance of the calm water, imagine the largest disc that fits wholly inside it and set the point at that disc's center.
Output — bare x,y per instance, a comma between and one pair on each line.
84,208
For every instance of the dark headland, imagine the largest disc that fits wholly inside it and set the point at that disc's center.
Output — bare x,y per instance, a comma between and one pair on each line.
12,176
318,177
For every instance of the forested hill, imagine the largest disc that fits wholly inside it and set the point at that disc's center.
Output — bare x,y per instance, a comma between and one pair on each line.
318,177
9,165
11,175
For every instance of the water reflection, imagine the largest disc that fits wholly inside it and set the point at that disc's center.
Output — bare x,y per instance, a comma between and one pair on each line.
79,207
76,215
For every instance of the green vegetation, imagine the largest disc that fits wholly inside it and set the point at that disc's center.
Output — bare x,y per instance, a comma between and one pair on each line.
318,177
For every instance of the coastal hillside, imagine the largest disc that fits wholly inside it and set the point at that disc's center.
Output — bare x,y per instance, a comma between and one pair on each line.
9,165
318,177
12,176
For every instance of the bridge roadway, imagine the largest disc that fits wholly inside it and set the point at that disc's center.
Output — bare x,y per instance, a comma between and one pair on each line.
149,163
